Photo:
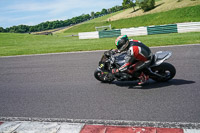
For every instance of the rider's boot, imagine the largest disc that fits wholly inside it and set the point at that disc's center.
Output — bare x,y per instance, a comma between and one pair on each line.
143,78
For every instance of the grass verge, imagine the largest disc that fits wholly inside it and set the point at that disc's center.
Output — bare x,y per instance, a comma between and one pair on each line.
25,44
186,14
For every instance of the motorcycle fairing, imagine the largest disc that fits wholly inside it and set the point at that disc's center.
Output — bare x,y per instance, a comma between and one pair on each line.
120,59
160,57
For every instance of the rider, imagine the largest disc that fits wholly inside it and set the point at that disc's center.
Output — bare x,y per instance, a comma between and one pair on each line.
138,57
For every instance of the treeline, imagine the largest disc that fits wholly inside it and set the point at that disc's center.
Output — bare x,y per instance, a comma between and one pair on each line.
59,23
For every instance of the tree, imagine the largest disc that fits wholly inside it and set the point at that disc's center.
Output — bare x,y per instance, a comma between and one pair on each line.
97,14
146,5
104,11
133,4
68,22
1,29
22,29
127,4
113,9
32,29
92,14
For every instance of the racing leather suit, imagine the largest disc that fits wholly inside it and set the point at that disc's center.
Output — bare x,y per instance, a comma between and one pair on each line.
138,57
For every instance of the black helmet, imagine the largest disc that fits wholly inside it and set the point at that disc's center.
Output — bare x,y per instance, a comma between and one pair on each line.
122,42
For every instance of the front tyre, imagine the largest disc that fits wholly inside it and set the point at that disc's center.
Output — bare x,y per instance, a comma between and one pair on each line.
104,77
166,70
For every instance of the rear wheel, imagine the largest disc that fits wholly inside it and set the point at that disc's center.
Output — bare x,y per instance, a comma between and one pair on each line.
166,70
104,77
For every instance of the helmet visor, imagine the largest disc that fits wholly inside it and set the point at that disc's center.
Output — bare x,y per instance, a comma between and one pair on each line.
124,47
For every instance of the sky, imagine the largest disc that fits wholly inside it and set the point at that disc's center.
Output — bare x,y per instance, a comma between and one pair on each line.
33,12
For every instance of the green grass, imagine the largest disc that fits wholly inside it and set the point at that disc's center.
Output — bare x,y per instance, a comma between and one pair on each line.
187,14
25,44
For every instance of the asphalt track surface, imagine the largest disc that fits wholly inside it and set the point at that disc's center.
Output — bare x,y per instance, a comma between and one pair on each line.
63,86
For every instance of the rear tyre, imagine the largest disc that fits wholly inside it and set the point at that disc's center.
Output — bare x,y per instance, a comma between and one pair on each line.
167,70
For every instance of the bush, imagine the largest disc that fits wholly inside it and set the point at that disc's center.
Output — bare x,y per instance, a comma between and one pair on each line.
147,5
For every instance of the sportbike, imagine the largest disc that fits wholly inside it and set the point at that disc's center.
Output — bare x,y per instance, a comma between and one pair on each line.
157,69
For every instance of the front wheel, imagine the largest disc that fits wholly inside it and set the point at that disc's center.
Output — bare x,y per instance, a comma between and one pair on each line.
166,70
104,77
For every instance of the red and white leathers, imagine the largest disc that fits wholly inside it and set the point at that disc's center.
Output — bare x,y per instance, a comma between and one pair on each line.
138,57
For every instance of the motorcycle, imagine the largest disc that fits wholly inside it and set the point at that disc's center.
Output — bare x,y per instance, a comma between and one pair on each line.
158,70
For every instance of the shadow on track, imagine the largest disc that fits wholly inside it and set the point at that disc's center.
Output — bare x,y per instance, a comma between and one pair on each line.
152,84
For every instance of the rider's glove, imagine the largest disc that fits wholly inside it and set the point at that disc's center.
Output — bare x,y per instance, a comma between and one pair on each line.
116,51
